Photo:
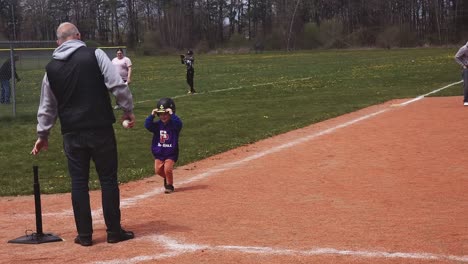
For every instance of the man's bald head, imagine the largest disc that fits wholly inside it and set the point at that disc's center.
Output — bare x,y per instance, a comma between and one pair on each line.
67,31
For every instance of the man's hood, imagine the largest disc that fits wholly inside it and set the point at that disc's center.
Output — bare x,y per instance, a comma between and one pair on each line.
67,48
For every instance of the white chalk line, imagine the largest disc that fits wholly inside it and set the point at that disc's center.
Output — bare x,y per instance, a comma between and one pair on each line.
231,89
176,248
425,95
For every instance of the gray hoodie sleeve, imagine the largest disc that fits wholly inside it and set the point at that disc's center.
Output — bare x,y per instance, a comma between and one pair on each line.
114,82
47,112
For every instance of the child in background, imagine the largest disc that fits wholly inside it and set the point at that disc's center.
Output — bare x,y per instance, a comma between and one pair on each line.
165,143
189,62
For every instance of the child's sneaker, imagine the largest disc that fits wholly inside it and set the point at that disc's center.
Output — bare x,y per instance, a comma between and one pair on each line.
169,188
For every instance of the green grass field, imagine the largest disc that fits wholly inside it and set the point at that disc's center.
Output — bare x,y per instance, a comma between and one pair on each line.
242,99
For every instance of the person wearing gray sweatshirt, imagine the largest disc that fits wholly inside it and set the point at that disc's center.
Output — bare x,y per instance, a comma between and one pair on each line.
76,90
462,58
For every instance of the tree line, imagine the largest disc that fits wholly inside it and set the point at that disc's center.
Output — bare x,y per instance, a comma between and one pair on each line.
157,25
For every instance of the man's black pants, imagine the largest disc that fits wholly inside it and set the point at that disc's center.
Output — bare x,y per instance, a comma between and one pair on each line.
100,146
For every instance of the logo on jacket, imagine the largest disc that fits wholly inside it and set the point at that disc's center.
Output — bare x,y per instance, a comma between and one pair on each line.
163,136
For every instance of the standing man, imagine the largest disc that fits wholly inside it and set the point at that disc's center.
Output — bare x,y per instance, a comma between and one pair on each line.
76,89
5,76
462,58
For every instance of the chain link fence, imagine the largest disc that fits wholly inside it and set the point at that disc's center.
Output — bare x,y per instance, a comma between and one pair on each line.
22,97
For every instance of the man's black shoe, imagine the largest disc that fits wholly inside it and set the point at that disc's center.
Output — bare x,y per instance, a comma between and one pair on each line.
120,236
85,241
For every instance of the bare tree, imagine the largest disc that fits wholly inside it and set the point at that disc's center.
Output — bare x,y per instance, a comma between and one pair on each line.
181,23
291,25
132,33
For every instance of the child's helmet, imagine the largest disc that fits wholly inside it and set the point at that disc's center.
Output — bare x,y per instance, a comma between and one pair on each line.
189,52
165,103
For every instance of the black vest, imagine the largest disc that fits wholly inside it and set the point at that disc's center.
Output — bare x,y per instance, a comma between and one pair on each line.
82,96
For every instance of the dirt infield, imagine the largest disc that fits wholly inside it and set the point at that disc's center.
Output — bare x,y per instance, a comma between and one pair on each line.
387,184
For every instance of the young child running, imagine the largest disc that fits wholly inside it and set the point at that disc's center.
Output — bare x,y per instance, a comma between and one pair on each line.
165,143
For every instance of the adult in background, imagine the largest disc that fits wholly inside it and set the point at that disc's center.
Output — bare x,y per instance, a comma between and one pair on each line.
124,66
5,76
76,89
462,58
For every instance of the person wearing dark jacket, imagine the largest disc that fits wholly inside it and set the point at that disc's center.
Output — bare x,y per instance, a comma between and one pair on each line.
5,76
189,62
76,89
165,142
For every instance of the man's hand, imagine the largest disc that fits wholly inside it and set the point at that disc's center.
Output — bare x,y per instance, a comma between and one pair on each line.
41,143
130,117
169,110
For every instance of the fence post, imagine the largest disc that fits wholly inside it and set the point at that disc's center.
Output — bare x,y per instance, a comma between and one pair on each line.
13,79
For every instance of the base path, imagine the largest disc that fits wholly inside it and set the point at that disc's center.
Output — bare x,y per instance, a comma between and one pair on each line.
386,184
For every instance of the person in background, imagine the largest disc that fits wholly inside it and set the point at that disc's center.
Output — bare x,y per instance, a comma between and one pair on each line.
124,66
461,57
76,89
5,76
189,62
